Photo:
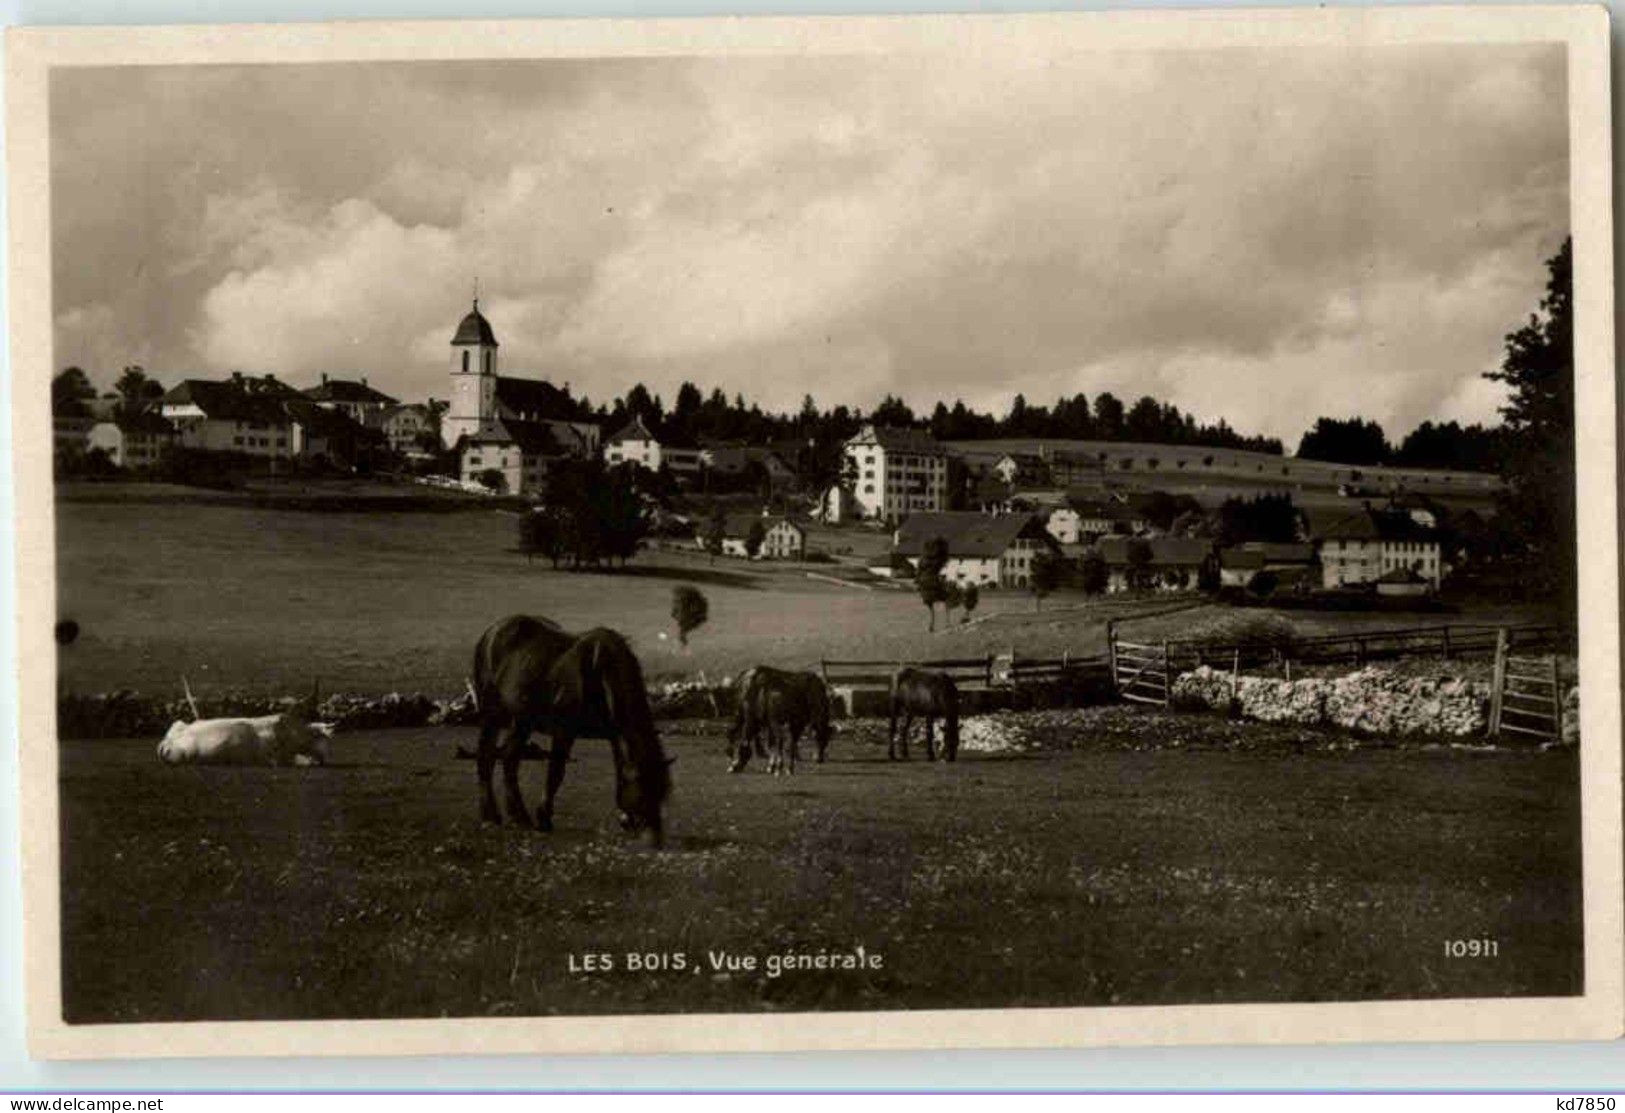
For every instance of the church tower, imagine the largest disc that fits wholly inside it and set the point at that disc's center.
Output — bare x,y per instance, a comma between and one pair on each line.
473,378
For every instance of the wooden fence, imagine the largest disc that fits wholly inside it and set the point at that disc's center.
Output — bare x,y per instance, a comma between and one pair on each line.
963,671
1140,671
1445,642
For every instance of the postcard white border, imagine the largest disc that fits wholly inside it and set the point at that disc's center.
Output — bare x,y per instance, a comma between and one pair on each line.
1598,1014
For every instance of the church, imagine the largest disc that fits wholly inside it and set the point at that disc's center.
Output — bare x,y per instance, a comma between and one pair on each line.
509,425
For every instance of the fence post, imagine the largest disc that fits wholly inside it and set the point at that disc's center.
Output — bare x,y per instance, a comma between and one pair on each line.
1167,677
1446,639
1557,703
1111,649
1499,682
823,667
1235,677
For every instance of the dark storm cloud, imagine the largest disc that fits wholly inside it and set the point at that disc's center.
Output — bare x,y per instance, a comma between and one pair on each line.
1261,235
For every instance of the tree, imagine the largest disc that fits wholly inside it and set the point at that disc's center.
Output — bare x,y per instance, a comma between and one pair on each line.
928,579
1354,441
689,610
70,390
1045,576
136,391
755,538
1092,574
492,480
1538,503
716,531
952,596
1265,518
968,598
1138,554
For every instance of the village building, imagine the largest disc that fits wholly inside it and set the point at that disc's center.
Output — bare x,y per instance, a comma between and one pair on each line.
135,441
1363,547
899,471
481,398
233,415
1292,564
1086,519
519,451
356,400
633,443
1170,564
781,538
1021,470
406,427
261,417
985,550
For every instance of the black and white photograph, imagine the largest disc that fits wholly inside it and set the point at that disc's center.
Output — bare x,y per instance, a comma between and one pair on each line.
728,535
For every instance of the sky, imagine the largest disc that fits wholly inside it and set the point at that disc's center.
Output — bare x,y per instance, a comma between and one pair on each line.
1262,235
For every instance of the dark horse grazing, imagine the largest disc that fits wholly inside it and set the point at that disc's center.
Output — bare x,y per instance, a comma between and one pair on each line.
929,694
531,675
783,705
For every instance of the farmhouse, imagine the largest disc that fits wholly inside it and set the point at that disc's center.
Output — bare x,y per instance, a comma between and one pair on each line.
986,550
900,471
781,539
633,443
1363,547
1153,563
1092,518
355,400
132,440
1288,562
480,397
519,450
406,427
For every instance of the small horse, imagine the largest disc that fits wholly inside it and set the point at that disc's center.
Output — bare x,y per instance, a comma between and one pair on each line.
774,701
531,675
933,695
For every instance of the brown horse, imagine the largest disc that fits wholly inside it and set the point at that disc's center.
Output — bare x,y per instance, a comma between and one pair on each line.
916,692
531,675
783,705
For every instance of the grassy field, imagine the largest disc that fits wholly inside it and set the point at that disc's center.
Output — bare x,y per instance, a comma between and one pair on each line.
1100,873
268,599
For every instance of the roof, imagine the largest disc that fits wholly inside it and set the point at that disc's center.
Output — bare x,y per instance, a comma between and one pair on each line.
346,390
1165,551
230,399
1256,554
1377,525
899,438
738,525
633,430
145,421
534,400
967,533
534,438
475,329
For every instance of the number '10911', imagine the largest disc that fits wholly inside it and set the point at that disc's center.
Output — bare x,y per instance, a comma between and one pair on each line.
1471,948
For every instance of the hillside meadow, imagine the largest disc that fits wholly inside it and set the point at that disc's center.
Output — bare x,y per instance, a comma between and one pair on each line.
268,599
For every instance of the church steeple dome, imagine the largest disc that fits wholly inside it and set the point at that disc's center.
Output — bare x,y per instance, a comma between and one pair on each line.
475,329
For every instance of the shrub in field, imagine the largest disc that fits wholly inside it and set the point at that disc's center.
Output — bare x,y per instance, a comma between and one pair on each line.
968,598
689,610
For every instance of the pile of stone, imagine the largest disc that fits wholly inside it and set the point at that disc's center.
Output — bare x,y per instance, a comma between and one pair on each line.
1372,700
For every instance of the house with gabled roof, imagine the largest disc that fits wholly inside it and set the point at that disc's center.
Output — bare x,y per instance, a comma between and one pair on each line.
517,450
988,550
1362,547
356,400
899,471
635,443
1169,564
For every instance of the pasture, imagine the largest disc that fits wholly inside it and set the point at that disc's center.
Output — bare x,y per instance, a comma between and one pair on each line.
269,599
1145,858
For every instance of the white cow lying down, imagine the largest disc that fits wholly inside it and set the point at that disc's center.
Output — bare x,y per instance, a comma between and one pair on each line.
282,739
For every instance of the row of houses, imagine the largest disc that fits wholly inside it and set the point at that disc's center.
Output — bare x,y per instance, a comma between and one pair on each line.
1394,551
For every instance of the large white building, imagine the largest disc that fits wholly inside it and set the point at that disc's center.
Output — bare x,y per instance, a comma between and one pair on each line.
898,471
1364,547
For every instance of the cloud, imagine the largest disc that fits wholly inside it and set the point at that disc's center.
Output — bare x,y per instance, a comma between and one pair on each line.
1256,235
